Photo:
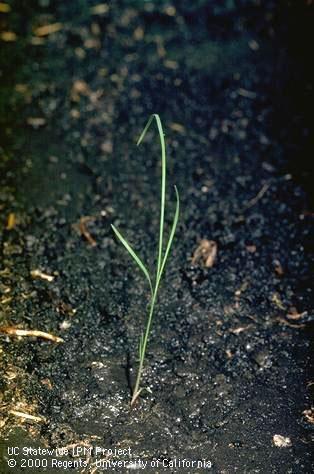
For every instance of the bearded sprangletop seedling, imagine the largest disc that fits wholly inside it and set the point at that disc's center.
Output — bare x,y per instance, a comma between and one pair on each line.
163,253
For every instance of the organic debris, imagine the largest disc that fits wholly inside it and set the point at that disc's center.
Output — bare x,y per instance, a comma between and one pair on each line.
242,288
36,122
65,309
79,88
85,232
47,383
4,7
46,30
41,275
205,254
258,196
295,315
278,268
11,221
8,36
100,9
14,331
240,329
275,298
27,416
177,127
309,415
282,441
290,325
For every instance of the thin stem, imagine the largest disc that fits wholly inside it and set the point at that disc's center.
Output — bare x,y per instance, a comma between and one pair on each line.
137,389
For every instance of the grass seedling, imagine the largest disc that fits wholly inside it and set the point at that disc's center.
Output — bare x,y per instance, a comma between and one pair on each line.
154,281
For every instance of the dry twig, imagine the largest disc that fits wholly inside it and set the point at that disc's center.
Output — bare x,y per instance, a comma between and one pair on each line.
84,231
13,331
258,196
41,275
27,416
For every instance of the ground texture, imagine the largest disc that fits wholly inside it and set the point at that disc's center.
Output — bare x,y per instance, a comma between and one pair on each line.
228,360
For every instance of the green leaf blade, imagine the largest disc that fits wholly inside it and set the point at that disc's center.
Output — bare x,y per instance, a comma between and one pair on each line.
172,233
137,260
163,180
151,118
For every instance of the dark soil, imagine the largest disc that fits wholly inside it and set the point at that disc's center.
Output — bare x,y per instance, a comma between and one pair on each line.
229,357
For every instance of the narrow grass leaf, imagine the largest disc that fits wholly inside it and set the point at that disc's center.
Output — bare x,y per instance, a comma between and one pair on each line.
173,230
145,130
163,191
133,255
163,181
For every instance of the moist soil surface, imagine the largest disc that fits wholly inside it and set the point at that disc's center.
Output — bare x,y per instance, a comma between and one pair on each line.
227,370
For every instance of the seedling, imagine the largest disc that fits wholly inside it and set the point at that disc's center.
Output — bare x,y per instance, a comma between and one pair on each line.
154,281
